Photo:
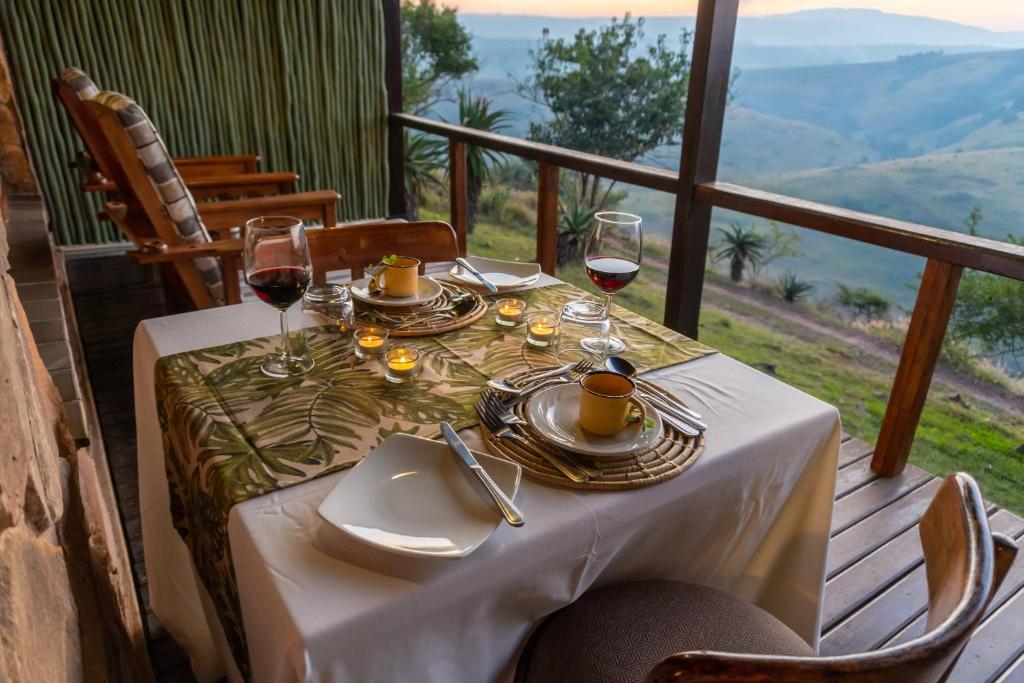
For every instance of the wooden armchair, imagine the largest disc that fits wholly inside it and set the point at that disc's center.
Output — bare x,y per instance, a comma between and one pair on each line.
206,177
344,247
158,211
725,639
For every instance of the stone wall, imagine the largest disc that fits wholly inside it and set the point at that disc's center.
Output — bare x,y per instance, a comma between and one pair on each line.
62,614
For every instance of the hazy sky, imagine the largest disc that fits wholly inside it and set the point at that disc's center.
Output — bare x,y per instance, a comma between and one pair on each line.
994,14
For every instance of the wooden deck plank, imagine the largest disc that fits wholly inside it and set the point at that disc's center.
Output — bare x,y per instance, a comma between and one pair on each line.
855,475
997,644
851,450
866,500
898,605
881,527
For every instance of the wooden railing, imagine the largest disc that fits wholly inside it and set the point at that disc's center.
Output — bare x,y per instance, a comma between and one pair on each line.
697,192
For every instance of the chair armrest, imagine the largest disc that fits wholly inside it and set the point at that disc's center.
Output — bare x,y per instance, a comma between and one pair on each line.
226,164
318,206
227,252
237,185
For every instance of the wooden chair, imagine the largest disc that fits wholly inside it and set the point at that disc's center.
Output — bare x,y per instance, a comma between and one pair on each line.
209,176
344,247
352,247
159,213
722,638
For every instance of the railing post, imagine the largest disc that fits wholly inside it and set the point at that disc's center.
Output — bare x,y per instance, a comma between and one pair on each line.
547,217
935,301
702,139
458,191
393,82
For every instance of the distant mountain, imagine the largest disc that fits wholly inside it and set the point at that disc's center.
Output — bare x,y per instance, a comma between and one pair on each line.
849,27
908,106
811,37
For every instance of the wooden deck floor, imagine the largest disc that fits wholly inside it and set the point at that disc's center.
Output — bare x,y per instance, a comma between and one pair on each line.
876,592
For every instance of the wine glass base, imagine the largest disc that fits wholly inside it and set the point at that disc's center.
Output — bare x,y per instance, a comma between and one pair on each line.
598,347
278,366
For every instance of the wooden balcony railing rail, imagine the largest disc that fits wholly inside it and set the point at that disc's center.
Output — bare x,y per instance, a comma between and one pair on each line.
697,192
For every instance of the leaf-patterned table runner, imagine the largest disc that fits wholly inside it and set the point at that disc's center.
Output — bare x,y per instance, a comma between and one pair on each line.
230,433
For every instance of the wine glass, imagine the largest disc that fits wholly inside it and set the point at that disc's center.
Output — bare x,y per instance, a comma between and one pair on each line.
612,259
278,268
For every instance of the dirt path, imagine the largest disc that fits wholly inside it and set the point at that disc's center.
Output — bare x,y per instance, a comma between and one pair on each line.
971,389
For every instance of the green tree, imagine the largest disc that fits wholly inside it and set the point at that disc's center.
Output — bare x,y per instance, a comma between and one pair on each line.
424,158
989,313
436,50
476,112
863,302
604,95
792,288
741,246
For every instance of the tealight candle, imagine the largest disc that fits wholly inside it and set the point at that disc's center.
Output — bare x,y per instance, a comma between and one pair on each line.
371,341
509,312
401,365
542,330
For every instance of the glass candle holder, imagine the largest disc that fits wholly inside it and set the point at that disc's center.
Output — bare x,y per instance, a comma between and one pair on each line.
401,364
542,330
371,341
509,312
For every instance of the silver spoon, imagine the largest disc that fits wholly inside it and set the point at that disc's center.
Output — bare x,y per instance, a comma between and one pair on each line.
691,417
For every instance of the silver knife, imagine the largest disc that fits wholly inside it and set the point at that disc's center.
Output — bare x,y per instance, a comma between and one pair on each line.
512,514
476,273
673,410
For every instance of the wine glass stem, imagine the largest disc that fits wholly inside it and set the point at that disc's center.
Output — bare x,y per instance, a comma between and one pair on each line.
608,326
286,349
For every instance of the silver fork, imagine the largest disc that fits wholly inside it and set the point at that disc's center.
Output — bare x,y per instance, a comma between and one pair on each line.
503,431
508,417
572,374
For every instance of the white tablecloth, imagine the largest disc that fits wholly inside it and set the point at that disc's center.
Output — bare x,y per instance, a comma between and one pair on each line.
751,517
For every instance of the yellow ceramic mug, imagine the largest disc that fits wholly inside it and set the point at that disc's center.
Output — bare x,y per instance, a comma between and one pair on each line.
607,405
400,278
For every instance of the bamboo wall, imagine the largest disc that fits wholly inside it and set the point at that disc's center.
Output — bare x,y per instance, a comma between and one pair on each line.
300,82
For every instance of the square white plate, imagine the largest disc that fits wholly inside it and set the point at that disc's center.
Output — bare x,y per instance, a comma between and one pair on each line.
413,496
504,275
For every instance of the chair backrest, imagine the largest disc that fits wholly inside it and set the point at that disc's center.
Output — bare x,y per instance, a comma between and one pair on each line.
152,186
965,564
73,89
356,246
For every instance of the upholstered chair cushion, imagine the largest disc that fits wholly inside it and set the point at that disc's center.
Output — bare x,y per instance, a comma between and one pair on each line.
177,200
80,82
619,633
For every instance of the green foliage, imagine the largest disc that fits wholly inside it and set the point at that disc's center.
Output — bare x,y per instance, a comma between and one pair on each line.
424,158
741,246
792,288
973,220
989,313
604,95
574,223
476,112
436,49
863,302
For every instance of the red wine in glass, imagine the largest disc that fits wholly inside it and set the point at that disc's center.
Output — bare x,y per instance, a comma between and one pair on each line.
610,273
279,286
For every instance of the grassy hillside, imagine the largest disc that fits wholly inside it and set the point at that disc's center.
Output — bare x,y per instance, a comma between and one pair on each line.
911,105
953,435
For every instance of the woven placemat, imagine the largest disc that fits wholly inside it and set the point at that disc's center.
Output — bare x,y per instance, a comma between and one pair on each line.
418,321
672,455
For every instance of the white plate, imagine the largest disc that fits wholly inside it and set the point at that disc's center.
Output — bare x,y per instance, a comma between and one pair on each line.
428,289
554,413
504,274
412,496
